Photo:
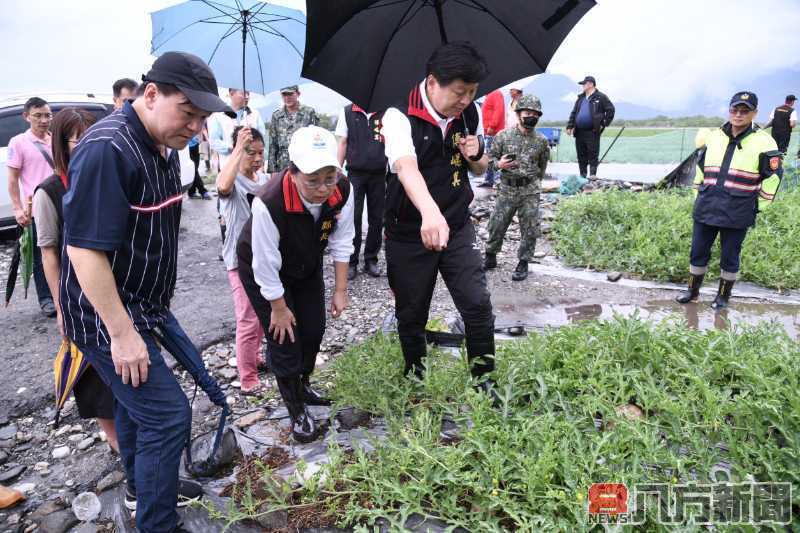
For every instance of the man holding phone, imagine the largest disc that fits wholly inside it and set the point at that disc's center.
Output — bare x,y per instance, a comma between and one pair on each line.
521,154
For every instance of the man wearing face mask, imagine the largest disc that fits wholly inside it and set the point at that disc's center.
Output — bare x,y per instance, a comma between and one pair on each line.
521,154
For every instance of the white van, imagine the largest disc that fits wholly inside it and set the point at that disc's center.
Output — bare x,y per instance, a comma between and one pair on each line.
12,123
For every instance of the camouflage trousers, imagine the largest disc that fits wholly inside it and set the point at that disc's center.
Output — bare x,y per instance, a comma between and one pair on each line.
524,202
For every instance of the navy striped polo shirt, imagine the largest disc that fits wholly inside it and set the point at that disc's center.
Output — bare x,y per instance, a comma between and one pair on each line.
123,199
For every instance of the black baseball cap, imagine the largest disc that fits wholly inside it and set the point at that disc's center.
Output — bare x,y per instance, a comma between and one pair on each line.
791,98
745,98
588,78
193,77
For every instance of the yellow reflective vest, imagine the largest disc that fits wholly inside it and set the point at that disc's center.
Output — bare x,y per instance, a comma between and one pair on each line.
736,177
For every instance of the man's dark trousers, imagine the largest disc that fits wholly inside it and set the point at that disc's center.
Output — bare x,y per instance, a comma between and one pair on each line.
587,145
153,423
306,299
782,140
412,270
491,175
197,184
373,188
731,240
39,279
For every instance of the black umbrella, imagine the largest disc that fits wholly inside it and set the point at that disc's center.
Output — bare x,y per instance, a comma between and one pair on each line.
374,51
175,341
22,257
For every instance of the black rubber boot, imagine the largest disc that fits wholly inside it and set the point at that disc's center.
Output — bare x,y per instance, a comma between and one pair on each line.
480,354
693,290
489,261
723,294
310,396
304,429
414,349
521,272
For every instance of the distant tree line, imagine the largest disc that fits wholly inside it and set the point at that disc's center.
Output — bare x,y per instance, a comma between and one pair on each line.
660,121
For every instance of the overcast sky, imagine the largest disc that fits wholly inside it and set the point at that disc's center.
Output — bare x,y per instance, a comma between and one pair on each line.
650,52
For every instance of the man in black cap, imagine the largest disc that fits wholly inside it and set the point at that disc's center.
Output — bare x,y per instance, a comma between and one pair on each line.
591,114
782,120
121,217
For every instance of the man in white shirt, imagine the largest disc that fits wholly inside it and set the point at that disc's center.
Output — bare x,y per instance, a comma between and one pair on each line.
221,126
296,216
432,139
515,93
358,133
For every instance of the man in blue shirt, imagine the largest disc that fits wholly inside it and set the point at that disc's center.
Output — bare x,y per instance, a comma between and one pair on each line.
121,217
592,113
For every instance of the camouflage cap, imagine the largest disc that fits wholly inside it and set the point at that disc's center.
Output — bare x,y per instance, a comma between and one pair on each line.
529,102
290,89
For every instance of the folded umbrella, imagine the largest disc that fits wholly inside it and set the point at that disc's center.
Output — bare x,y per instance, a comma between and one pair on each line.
374,51
22,256
68,367
174,340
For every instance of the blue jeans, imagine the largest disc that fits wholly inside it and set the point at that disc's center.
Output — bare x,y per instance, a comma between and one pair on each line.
487,142
153,422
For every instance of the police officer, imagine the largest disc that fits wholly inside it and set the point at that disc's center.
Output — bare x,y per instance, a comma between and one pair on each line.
285,121
299,213
738,173
782,120
432,139
521,154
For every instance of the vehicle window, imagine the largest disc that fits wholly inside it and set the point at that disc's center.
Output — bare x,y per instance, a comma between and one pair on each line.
14,124
98,110
11,125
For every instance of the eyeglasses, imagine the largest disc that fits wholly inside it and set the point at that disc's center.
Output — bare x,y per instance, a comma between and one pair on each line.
318,184
740,110
42,116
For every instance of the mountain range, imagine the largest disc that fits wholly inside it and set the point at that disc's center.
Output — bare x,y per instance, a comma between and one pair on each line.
558,93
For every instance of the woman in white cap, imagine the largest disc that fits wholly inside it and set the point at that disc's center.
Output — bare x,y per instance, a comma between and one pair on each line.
303,210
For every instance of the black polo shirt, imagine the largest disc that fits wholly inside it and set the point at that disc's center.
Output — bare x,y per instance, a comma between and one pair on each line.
123,199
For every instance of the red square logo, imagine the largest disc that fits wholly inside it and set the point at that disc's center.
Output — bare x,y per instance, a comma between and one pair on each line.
608,498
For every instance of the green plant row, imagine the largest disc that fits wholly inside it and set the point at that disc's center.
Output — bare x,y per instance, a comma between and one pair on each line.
706,397
649,236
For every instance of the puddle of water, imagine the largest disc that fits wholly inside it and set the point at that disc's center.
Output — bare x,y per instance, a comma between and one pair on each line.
697,315
551,266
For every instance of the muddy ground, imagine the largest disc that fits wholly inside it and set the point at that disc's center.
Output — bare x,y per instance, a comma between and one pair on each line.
53,466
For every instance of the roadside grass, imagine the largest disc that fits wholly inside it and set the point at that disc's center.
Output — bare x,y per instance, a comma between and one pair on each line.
673,405
649,236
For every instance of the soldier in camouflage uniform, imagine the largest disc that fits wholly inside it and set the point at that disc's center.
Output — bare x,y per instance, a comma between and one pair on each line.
285,121
521,154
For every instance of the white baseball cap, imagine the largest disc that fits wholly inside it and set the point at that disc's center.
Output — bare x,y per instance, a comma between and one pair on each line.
312,148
